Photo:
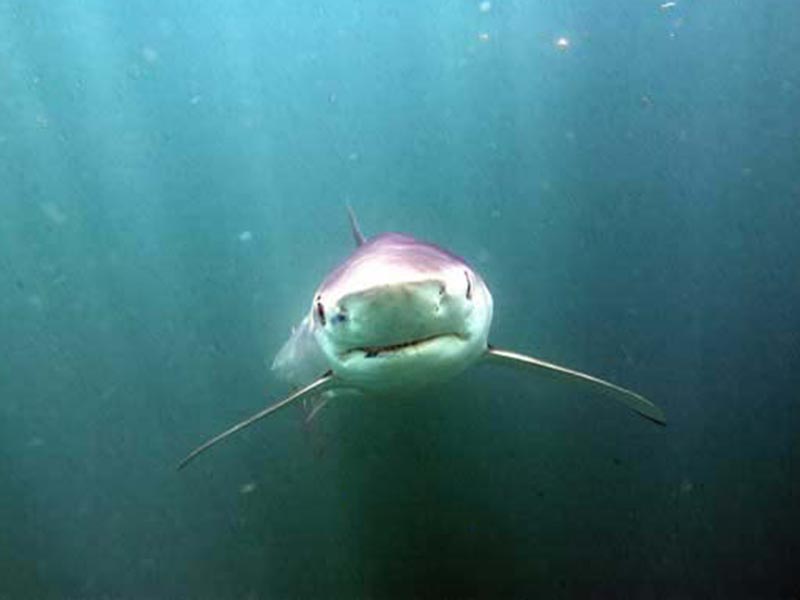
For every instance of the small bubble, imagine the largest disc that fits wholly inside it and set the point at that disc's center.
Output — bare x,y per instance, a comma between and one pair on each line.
52,211
485,6
36,301
149,54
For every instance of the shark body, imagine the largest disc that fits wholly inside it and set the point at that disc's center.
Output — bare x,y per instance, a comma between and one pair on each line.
400,313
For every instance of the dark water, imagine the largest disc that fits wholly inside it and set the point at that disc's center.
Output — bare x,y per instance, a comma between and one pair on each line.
173,177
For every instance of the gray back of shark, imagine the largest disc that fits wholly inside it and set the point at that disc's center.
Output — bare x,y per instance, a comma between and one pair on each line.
398,314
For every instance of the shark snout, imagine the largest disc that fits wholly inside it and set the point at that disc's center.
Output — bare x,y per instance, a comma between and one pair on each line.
393,314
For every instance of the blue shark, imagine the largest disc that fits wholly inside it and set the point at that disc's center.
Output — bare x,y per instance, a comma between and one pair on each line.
400,314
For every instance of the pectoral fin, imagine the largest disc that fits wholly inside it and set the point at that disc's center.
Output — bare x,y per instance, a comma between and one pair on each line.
631,399
315,386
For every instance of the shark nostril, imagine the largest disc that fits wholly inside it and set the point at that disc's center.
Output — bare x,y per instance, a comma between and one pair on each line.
442,295
469,285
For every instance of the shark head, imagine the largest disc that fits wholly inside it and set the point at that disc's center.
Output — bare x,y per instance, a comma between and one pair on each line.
400,313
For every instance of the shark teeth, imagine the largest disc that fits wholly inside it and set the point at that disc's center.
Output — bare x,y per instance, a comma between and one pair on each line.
373,351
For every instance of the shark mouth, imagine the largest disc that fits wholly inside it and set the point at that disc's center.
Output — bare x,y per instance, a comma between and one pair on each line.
374,351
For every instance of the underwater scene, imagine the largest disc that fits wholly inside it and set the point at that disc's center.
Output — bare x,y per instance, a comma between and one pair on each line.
508,289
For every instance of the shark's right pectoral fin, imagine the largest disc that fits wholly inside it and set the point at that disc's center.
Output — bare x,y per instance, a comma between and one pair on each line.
317,386
631,399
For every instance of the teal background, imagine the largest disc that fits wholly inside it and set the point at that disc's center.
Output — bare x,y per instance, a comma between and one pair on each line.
633,201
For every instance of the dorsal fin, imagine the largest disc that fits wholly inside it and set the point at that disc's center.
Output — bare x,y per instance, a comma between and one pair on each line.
354,228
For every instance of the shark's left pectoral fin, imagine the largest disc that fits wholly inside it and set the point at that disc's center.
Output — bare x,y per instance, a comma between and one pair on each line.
317,385
631,399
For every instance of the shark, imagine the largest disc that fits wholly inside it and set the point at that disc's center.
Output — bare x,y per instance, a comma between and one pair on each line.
396,315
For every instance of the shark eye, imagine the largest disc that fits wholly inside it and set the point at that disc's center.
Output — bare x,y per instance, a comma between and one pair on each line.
469,286
320,312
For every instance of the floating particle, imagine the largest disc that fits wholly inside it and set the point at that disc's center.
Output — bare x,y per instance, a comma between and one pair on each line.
245,236
668,5
483,36
562,43
247,488
53,212
485,6
166,27
149,54
195,100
